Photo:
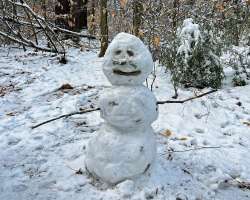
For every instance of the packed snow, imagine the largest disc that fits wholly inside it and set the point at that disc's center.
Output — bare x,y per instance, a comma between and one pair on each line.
202,145
125,145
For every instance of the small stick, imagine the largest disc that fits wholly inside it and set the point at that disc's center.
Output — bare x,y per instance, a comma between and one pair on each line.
65,115
188,99
194,149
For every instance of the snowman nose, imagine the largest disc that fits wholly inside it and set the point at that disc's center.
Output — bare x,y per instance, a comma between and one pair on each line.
123,61
120,62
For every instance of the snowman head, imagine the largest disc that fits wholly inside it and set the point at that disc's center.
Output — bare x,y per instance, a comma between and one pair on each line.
127,60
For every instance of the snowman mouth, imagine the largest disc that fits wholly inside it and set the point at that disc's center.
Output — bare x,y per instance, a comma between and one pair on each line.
123,73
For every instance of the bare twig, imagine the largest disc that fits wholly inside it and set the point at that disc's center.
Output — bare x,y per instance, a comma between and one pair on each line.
242,184
28,44
39,21
66,115
194,149
32,26
54,27
154,77
36,22
188,99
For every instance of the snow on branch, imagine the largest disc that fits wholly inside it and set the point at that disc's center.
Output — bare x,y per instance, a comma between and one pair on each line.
22,25
27,43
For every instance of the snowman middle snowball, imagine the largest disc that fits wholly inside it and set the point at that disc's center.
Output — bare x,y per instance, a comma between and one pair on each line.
125,145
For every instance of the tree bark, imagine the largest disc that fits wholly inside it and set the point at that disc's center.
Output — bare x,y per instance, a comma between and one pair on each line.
78,15
103,27
92,25
71,15
62,10
137,17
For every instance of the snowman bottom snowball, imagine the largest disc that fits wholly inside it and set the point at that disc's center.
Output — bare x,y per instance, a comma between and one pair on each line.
115,156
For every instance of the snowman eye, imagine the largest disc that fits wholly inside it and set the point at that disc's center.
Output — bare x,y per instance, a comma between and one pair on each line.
130,53
118,52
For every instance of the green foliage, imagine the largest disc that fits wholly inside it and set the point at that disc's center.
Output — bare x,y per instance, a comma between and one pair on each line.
238,81
198,67
240,62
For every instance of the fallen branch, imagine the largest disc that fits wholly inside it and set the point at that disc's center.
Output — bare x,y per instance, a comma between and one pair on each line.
193,149
35,21
188,99
28,43
54,27
65,115
242,184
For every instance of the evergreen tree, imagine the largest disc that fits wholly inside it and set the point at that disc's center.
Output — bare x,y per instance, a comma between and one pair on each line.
196,64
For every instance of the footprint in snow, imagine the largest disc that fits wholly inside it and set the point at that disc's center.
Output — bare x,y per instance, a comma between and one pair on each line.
19,188
13,141
224,124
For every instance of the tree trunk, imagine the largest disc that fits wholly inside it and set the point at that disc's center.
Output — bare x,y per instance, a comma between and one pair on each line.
44,7
78,15
137,17
92,25
72,14
176,5
62,10
103,27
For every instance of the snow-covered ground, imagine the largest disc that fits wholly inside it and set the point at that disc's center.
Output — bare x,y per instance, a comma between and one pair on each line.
203,144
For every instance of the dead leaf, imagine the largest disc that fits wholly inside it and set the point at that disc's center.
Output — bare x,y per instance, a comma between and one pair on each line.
220,7
82,48
141,33
166,133
66,86
183,138
113,13
157,41
11,113
246,123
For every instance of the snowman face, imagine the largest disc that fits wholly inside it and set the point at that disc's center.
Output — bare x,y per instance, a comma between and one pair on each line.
127,61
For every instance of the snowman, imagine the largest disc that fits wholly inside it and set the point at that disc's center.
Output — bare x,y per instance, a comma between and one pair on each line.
125,145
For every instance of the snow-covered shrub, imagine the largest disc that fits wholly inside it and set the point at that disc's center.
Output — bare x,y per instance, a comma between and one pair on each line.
196,63
240,62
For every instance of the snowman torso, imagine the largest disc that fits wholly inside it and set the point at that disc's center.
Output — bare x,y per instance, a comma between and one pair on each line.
128,107
125,146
